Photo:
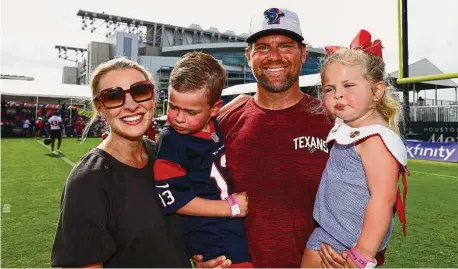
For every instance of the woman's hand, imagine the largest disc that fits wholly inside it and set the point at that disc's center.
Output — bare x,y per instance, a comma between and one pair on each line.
220,262
330,258
350,264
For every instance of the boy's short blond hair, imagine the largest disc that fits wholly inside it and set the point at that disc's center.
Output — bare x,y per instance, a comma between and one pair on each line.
196,71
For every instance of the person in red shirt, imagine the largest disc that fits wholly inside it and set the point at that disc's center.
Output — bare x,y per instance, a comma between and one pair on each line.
280,170
151,133
79,127
39,124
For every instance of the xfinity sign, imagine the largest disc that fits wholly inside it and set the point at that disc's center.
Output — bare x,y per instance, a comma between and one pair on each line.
445,152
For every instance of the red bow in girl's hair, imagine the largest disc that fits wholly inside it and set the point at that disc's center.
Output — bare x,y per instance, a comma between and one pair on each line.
362,41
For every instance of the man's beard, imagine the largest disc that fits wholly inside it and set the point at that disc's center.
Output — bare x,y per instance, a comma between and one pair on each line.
290,79
276,89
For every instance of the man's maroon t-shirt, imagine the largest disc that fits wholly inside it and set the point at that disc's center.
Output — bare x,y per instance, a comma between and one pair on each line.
277,157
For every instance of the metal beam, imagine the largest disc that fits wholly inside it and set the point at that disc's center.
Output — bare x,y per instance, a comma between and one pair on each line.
107,17
401,74
127,20
405,68
68,48
435,95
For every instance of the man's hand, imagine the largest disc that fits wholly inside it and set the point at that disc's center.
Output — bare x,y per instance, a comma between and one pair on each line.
220,262
330,258
242,200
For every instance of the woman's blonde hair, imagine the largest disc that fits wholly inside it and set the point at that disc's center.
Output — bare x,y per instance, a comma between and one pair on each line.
372,69
103,69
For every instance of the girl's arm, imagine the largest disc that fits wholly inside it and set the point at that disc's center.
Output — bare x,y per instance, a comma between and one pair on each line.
382,172
214,208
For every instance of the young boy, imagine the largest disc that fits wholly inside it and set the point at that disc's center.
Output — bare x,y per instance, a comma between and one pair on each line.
190,172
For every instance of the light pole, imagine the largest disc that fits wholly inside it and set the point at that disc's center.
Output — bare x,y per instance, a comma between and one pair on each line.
163,95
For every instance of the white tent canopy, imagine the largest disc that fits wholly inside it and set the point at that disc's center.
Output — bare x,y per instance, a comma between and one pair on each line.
40,89
304,81
71,91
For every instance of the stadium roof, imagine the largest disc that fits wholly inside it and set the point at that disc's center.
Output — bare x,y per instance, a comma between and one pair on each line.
236,46
423,68
40,89
304,82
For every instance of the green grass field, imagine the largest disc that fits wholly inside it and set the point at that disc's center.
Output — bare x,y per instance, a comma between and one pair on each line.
32,182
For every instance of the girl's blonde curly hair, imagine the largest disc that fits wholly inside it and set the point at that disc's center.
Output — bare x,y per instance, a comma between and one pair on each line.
373,69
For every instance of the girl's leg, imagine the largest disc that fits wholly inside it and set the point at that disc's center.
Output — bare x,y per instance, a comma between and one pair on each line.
311,259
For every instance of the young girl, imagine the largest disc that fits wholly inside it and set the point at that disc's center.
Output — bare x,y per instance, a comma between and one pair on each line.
357,193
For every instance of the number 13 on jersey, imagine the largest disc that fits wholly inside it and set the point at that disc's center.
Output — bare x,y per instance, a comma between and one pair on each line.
167,198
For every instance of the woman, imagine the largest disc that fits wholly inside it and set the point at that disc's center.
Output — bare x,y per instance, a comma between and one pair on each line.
109,213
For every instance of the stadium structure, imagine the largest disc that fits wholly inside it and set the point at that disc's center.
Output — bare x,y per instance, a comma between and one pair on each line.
159,46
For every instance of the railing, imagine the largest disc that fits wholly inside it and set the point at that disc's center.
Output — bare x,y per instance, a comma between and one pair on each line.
433,102
434,113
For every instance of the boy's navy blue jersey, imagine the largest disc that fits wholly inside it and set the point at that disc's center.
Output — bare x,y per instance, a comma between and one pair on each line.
190,166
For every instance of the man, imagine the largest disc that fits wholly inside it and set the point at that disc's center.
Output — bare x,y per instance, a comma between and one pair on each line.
79,127
280,170
56,130
25,127
151,133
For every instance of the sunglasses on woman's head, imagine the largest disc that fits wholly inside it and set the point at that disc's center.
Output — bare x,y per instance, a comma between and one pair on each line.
116,96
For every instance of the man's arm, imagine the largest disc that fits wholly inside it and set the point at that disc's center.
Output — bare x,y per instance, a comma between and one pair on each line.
242,98
238,101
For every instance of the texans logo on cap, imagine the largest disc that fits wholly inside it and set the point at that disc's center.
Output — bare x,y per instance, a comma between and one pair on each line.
273,15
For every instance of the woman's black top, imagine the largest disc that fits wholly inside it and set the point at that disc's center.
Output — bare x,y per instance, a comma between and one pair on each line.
110,214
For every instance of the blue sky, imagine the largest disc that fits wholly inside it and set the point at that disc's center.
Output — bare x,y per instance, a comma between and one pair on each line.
30,29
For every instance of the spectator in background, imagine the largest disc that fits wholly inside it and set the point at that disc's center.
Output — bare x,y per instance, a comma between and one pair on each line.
32,127
4,108
67,126
56,130
45,128
420,101
25,127
38,126
151,133
79,127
